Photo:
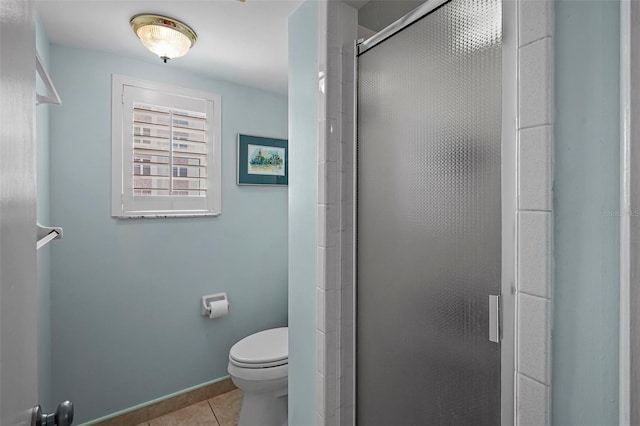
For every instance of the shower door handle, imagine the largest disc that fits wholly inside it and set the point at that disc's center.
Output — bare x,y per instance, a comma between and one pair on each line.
494,318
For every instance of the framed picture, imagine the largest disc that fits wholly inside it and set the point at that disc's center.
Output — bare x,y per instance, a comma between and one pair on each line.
262,161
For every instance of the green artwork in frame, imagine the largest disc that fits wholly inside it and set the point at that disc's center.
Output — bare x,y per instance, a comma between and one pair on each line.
262,161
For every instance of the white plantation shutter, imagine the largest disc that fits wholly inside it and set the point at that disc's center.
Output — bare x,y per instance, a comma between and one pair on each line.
161,168
169,149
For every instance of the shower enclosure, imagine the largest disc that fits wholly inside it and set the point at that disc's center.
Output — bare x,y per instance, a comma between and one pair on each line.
429,218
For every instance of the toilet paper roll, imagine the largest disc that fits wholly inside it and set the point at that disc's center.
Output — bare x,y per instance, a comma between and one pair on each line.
218,308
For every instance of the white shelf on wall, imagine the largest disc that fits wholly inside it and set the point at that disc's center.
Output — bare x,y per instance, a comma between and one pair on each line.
51,97
46,234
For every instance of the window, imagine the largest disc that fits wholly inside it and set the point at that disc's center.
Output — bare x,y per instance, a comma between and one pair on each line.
166,150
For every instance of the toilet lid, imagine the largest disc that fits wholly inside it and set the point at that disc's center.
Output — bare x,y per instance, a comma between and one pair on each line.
265,347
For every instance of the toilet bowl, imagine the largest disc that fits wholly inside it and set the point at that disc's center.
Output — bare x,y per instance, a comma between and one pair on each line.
259,367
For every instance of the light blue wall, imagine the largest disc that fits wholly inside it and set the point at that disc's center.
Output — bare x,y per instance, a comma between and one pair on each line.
43,207
585,330
303,195
376,15
126,323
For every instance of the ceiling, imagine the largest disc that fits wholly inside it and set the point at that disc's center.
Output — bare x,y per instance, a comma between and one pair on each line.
245,43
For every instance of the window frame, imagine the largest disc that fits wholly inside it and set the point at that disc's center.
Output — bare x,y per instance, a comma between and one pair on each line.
123,206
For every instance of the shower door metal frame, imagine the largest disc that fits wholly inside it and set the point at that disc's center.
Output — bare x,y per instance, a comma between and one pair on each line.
508,192
629,346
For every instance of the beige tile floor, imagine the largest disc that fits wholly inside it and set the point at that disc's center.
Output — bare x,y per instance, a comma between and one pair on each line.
223,410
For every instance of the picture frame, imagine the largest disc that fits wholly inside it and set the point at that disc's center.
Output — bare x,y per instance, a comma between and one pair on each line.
262,161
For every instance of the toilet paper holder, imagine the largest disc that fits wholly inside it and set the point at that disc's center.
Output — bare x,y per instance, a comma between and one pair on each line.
204,306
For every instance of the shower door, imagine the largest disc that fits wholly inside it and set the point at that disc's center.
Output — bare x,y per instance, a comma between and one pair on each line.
429,219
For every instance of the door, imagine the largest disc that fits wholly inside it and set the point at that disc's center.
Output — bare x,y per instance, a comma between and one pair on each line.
429,220
18,285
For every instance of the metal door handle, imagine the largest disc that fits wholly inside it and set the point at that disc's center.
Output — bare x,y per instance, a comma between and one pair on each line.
494,318
63,416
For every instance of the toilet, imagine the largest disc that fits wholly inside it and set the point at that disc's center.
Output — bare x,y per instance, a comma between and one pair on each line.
259,367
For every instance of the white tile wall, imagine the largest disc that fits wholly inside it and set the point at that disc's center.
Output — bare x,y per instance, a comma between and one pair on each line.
535,20
534,339
327,353
337,27
535,168
323,155
320,395
327,398
332,350
333,141
533,403
328,220
327,307
328,190
534,277
534,253
321,353
535,83
348,26
327,274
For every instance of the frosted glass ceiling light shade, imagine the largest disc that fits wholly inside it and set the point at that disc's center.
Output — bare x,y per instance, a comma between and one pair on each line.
164,36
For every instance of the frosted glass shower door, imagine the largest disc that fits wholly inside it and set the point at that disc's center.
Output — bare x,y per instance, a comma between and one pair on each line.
429,220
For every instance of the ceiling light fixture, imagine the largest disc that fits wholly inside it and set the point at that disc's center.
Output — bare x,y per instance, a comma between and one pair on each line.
166,37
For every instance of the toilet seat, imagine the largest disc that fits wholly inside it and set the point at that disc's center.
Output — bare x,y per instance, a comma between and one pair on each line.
265,349
258,365
258,374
